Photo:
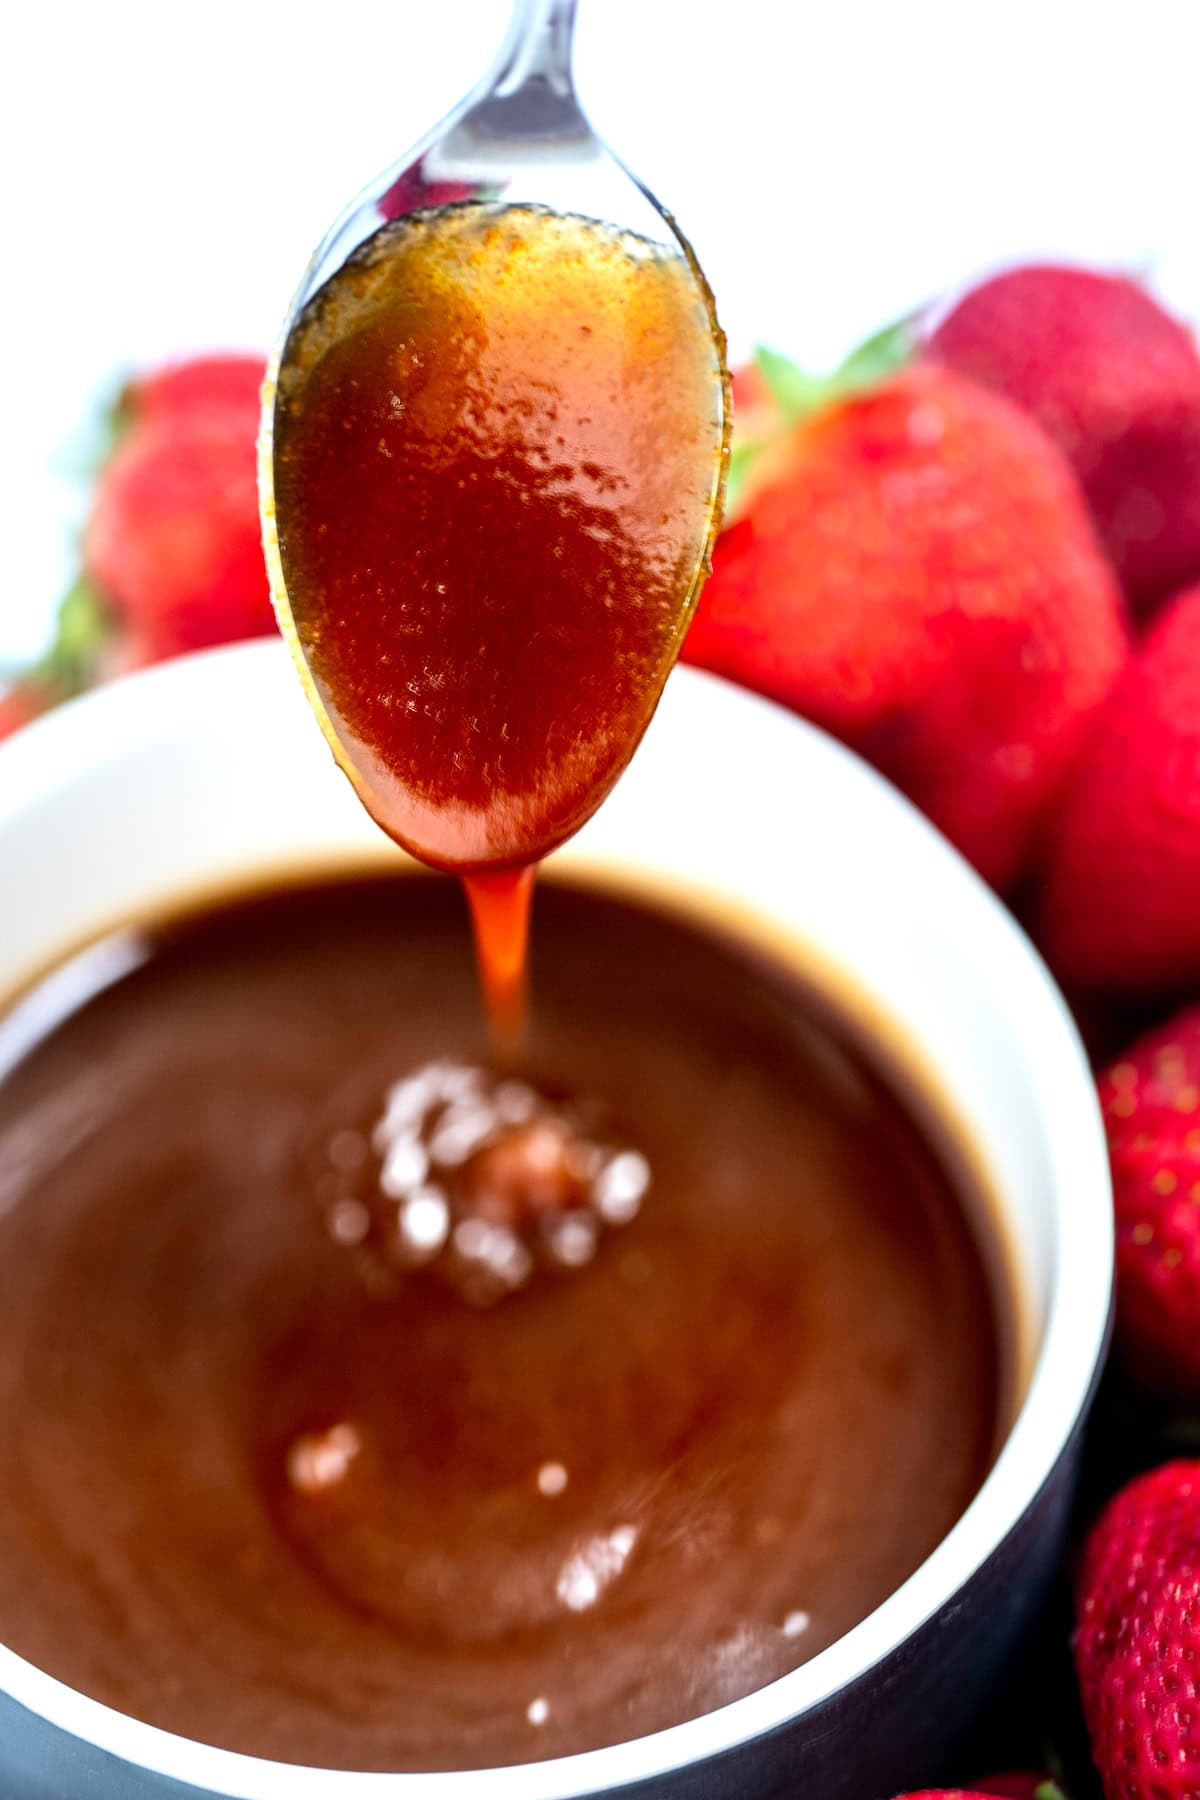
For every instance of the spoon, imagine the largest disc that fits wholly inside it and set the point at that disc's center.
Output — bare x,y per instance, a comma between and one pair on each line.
508,307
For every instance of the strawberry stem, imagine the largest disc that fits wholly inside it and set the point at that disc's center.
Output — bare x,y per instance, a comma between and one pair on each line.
881,354
82,628
795,393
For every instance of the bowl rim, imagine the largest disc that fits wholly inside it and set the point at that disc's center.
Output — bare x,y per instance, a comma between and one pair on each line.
117,717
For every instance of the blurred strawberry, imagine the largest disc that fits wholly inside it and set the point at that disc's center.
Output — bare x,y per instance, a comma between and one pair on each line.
21,703
912,568
82,632
771,395
198,384
1024,1786
173,540
754,405
1015,1787
1115,381
749,388
1151,1104
1137,1640
1120,908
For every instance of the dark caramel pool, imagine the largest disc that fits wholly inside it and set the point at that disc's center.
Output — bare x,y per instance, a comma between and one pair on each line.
285,1470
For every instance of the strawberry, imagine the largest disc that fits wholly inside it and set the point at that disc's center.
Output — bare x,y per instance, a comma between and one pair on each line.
754,403
23,702
173,540
913,568
1015,1787
1025,1786
1116,382
1120,906
1150,1099
71,662
198,384
1137,1640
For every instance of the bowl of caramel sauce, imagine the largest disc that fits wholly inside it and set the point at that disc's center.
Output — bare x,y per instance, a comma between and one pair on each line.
686,1401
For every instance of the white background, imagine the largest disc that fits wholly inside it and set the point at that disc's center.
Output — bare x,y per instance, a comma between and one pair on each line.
167,169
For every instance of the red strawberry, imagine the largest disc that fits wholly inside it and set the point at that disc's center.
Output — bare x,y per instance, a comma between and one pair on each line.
23,702
1016,1787
1121,903
1137,1641
173,541
1151,1105
1116,382
754,404
914,570
199,384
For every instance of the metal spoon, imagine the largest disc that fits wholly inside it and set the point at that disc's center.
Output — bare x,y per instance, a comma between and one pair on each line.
518,140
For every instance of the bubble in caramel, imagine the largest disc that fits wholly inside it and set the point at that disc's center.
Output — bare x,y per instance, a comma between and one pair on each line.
498,448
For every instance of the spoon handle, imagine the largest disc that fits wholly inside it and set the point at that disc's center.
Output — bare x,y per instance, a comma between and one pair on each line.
538,48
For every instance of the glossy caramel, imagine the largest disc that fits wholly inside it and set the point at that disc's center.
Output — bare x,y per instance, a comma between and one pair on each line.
498,443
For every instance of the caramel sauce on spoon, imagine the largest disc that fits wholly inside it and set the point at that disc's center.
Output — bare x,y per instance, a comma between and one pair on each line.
499,438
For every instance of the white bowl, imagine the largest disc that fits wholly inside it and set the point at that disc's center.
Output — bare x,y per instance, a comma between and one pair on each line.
211,769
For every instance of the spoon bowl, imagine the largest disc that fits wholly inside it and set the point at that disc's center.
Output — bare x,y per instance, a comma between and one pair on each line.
492,465
519,136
